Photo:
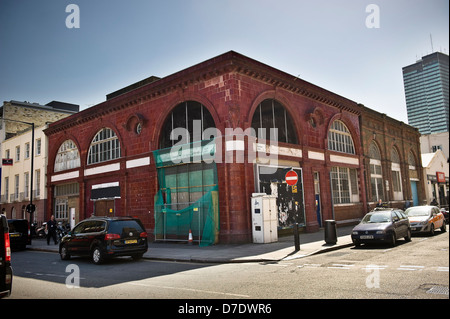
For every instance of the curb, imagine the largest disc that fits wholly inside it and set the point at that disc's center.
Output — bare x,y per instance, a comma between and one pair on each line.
224,260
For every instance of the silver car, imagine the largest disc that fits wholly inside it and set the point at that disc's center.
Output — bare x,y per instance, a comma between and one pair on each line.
425,219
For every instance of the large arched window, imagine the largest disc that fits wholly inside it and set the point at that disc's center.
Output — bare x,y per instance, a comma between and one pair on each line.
340,139
271,114
67,157
191,116
104,147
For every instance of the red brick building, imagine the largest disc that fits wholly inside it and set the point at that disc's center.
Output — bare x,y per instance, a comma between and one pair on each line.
113,158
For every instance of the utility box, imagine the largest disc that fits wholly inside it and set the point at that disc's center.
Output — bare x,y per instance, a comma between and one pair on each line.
264,218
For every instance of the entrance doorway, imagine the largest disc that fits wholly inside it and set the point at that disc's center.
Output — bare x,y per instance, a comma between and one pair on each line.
105,208
317,198
415,196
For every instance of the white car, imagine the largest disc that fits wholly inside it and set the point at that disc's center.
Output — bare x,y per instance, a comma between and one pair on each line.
425,219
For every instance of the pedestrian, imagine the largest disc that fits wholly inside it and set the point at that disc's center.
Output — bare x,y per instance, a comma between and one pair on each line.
51,229
434,202
380,203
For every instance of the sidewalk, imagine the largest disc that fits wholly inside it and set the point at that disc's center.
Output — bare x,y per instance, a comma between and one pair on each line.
310,244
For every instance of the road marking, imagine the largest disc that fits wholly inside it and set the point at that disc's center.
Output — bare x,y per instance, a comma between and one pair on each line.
310,266
375,267
340,266
442,269
188,289
411,268
278,265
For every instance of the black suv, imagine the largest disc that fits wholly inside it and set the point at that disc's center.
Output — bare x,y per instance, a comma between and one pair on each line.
6,274
19,233
104,237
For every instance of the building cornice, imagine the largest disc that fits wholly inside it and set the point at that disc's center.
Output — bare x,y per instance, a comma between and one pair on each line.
225,63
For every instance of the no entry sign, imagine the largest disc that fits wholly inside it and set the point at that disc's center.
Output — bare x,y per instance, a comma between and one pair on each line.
291,178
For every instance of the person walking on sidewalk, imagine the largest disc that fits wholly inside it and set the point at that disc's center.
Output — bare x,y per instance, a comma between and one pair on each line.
51,230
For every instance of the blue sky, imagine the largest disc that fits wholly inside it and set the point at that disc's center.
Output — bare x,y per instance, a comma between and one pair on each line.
325,42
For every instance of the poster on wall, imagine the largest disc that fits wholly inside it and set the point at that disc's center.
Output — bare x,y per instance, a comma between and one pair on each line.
289,198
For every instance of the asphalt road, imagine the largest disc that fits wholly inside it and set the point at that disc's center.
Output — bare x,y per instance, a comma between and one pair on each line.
419,269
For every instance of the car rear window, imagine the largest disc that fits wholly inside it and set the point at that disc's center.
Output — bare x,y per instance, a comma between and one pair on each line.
18,226
119,226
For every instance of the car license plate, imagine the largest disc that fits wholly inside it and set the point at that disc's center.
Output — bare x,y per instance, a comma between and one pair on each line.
131,241
14,235
366,237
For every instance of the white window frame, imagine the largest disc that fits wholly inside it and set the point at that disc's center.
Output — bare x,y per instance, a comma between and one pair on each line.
104,147
346,190
68,156
397,181
340,139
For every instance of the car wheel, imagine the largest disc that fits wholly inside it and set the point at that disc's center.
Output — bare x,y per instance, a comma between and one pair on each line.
408,236
97,255
393,240
64,253
432,230
443,227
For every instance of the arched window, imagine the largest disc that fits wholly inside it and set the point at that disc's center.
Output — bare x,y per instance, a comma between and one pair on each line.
191,116
396,175
67,157
376,177
271,114
340,139
104,147
412,160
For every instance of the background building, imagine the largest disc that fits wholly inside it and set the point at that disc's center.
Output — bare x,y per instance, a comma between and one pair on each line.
15,145
430,143
436,177
426,90
16,178
31,113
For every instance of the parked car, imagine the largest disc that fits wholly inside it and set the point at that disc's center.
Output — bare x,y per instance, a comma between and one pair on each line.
384,225
105,237
6,273
425,219
19,233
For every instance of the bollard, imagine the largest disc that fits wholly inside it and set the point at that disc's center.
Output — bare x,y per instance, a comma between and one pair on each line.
330,232
296,237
